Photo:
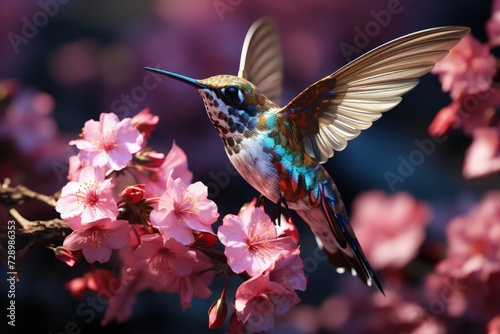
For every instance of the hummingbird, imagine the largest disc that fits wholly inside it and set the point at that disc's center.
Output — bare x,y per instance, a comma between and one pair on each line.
279,151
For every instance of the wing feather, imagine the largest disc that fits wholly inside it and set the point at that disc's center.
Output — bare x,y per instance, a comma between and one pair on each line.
352,98
261,60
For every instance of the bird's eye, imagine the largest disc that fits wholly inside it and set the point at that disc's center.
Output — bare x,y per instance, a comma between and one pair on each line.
231,92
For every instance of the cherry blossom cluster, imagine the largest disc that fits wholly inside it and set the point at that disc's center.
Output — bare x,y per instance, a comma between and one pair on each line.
128,204
469,74
431,285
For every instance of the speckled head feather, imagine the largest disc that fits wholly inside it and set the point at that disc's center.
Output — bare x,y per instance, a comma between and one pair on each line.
233,104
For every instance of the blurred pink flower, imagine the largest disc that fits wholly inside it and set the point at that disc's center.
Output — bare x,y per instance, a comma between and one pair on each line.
474,241
355,311
259,299
493,24
121,304
163,260
196,283
469,298
183,208
100,280
28,120
494,325
467,69
103,282
87,199
390,228
467,113
108,142
97,239
483,155
77,287
288,270
251,241
444,119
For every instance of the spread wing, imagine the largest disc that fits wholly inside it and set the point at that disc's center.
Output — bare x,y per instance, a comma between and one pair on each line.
261,61
336,108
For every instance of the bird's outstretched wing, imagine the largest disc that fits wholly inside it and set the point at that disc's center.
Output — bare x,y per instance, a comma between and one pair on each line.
336,108
261,61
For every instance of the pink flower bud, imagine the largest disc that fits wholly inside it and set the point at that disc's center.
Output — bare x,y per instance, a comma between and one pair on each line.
149,158
205,240
217,314
65,255
145,122
133,194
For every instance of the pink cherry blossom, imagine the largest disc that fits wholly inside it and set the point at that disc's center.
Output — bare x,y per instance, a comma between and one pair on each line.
97,239
259,299
109,141
120,305
467,69
288,270
483,155
251,241
390,228
75,167
163,260
174,163
183,208
87,199
474,240
196,284
493,24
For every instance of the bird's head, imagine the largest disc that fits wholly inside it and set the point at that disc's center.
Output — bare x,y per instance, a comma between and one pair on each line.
233,103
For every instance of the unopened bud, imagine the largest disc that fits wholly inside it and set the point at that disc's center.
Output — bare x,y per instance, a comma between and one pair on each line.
133,194
65,255
149,158
205,240
145,122
217,314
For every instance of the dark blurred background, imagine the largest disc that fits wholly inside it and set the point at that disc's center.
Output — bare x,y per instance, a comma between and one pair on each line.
89,56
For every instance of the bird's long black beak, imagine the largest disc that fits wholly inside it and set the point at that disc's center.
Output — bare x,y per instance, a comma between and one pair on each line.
189,81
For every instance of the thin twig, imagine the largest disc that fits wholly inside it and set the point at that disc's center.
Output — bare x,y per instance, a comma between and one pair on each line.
39,232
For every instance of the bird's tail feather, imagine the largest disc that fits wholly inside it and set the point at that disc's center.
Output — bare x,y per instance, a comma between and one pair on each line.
336,237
